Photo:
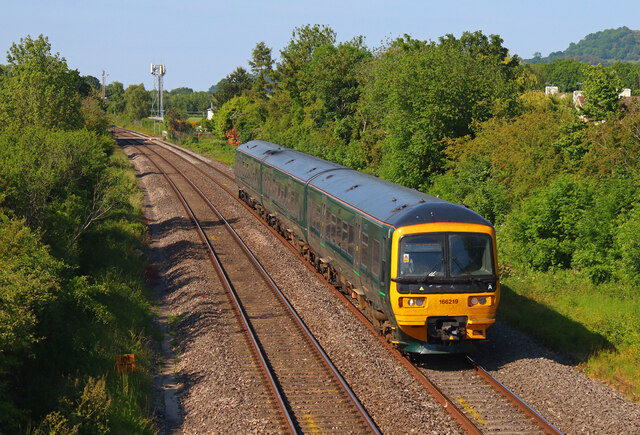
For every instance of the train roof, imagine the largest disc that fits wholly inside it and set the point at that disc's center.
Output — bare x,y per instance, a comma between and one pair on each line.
385,201
300,165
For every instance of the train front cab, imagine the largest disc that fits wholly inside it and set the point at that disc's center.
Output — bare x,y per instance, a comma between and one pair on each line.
444,289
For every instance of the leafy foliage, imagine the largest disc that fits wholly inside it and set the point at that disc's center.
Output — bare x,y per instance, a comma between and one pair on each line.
261,64
604,47
138,101
297,55
231,86
38,88
567,74
185,100
601,93
64,201
420,93
116,104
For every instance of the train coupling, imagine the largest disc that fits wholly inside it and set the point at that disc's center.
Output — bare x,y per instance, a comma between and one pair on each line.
446,329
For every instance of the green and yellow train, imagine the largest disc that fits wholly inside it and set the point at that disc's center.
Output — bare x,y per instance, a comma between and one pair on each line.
422,269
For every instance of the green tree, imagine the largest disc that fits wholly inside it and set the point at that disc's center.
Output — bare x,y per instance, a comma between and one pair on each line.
186,100
227,116
478,44
114,93
601,88
424,93
297,55
334,76
567,74
38,88
94,113
231,86
261,64
88,85
138,101
507,159
30,282
629,75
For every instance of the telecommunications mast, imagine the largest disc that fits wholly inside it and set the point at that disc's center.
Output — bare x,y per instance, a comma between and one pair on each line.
157,111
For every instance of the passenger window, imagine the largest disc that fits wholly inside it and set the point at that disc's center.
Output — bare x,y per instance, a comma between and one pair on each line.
364,254
332,235
375,258
315,218
351,241
345,235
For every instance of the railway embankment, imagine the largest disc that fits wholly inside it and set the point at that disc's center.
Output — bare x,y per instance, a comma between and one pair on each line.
73,294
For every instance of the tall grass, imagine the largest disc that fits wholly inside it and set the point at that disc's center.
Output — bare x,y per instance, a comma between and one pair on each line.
597,324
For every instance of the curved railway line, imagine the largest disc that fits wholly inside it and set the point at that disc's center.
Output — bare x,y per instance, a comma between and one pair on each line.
475,399
309,392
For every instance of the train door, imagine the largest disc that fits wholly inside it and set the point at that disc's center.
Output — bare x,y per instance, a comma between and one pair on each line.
356,255
324,230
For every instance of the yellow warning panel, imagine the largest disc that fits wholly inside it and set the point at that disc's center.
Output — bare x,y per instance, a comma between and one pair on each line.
126,363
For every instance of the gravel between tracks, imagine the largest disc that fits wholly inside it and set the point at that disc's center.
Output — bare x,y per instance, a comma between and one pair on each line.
548,383
215,396
391,396
215,392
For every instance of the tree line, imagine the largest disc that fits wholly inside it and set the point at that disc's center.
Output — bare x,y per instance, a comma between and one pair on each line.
71,296
462,118
605,47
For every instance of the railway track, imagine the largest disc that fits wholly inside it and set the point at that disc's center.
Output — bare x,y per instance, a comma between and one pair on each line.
480,403
309,392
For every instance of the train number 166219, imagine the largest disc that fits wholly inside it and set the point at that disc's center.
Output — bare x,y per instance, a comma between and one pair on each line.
448,301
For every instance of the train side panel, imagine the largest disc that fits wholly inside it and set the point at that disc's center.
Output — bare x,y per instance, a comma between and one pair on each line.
248,174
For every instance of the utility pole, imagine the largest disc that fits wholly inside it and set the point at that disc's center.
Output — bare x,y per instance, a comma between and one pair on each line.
103,91
159,71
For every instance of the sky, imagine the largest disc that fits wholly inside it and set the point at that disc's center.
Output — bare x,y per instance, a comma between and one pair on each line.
200,42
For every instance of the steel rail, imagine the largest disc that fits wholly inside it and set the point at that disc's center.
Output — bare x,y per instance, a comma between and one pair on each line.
280,294
451,408
542,422
179,148
238,305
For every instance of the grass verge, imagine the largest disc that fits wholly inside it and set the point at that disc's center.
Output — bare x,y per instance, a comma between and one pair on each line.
595,324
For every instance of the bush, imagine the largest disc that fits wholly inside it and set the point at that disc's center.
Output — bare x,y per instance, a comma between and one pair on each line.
30,283
597,254
627,242
541,233
49,177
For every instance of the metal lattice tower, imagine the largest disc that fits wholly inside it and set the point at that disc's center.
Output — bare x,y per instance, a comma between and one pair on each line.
157,110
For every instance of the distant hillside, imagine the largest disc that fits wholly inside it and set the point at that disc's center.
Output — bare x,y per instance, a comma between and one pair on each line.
605,47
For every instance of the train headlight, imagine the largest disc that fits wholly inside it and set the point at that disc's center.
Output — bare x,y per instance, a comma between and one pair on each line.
412,302
480,300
